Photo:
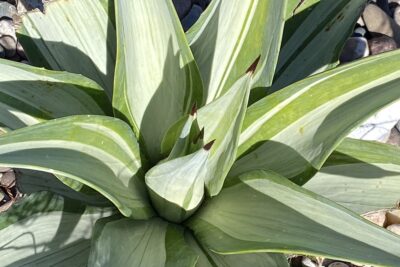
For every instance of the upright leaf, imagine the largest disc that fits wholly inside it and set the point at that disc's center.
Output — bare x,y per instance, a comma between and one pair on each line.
29,95
129,243
264,212
294,130
317,42
100,152
231,35
360,175
157,80
222,120
75,36
177,186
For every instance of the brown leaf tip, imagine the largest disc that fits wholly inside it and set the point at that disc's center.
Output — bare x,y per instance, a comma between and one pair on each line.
208,146
194,109
253,66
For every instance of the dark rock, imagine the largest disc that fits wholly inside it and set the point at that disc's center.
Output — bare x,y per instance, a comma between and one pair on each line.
9,44
381,44
377,21
202,3
384,5
192,17
354,48
2,52
20,51
182,7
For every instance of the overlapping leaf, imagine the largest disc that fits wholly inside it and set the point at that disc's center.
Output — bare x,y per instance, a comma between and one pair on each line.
294,130
222,120
157,80
230,36
75,36
29,95
360,175
129,243
46,230
261,211
316,42
100,152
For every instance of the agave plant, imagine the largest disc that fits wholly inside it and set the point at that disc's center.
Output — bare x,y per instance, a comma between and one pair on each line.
137,147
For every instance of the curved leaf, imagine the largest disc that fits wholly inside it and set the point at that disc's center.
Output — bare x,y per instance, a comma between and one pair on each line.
129,243
231,35
262,211
360,175
294,130
100,152
177,186
166,82
29,95
46,230
57,39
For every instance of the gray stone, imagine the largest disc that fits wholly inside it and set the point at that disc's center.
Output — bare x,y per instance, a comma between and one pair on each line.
7,28
381,44
377,21
7,179
354,48
192,17
9,44
182,7
394,137
7,10
395,228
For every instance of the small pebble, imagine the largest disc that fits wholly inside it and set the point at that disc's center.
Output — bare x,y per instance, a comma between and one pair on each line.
182,7
7,180
9,44
393,217
7,27
7,10
359,32
395,228
354,48
376,217
307,262
191,17
381,44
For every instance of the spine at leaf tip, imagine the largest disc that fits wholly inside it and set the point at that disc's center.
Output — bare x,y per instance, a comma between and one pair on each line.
209,145
253,66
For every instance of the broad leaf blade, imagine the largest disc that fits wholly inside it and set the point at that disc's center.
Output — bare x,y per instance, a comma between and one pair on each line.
129,243
222,120
231,36
262,211
316,43
100,152
46,230
75,36
294,130
157,80
360,175
29,95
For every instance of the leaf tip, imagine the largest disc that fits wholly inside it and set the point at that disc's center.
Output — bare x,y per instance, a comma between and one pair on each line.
209,145
194,109
254,65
